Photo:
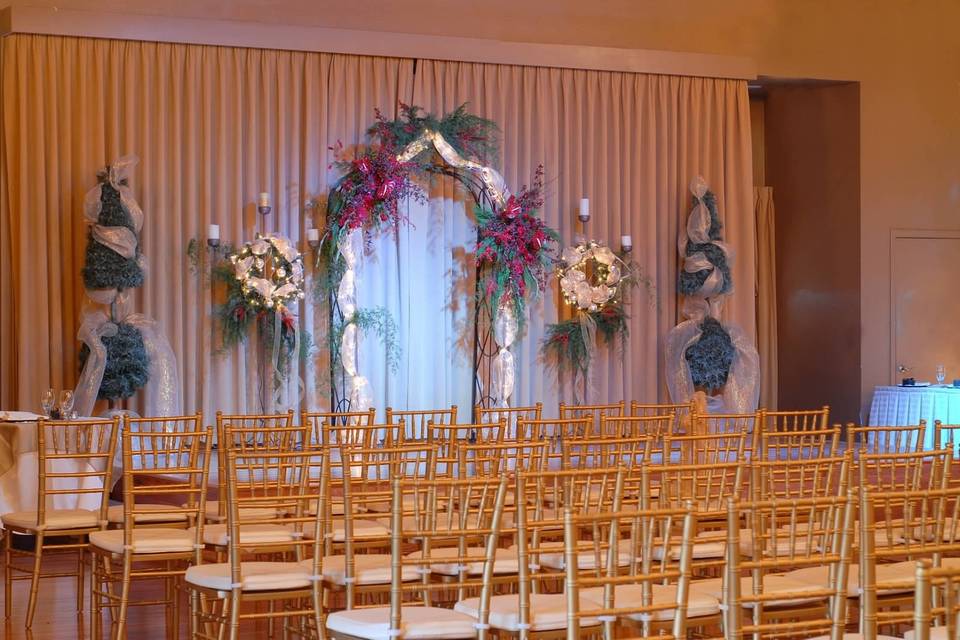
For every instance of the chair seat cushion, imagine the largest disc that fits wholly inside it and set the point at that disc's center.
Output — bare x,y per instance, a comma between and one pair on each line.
145,540
698,604
362,528
936,633
504,561
907,636
901,576
115,514
218,534
212,512
55,519
820,575
586,559
772,584
368,568
255,576
548,611
419,623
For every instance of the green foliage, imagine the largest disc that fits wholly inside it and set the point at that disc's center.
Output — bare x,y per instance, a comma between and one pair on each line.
127,367
378,321
103,267
711,356
564,347
471,136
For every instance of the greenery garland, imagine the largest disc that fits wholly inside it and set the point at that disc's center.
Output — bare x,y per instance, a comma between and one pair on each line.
689,283
564,347
378,321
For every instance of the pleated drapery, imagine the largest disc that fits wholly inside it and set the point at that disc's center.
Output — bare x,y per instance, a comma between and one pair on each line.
766,295
214,126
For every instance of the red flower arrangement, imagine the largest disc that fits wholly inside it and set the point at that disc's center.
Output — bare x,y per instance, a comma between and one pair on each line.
512,247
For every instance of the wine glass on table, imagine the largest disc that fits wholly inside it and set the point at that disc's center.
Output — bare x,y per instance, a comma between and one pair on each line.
47,400
66,404
941,374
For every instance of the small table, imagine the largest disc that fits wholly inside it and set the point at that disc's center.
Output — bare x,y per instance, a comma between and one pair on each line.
905,406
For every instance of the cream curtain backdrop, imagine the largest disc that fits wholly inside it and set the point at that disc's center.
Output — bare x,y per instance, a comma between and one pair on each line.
214,126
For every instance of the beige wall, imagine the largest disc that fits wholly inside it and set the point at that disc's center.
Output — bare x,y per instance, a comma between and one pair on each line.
905,54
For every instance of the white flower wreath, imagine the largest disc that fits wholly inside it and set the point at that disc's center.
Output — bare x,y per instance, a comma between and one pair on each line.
591,275
270,272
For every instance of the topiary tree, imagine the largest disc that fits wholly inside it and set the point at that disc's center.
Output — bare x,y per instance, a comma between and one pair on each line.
112,266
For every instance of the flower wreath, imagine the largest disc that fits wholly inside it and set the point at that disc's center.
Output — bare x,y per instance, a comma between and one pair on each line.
269,272
592,276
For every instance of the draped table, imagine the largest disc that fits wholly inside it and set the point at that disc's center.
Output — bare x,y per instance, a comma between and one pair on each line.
905,406
19,472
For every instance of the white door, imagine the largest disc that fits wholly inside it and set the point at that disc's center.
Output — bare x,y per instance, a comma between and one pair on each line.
926,304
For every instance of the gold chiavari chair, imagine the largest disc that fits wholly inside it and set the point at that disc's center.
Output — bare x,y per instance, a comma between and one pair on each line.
799,444
682,412
535,605
909,471
815,477
510,414
410,612
794,421
555,431
653,426
715,423
265,469
892,439
162,458
655,596
898,528
937,603
418,420
754,575
590,453
74,462
707,448
216,512
944,433
593,411
449,437
260,477
503,458
708,484
314,420
356,562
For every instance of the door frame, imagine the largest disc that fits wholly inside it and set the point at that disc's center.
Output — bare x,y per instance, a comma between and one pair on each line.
897,234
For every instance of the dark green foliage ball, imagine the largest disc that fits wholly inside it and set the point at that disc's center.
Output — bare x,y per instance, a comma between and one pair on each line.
103,267
710,357
127,363
690,283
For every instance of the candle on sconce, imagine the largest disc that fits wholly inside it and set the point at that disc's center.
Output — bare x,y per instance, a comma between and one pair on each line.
584,213
626,242
213,235
313,237
263,200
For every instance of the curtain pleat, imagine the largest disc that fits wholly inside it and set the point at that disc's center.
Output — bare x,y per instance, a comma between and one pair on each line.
766,295
214,126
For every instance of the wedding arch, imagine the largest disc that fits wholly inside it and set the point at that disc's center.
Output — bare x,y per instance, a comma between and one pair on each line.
512,247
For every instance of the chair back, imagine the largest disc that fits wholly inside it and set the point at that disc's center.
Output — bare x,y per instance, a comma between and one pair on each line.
936,600
449,437
887,439
75,462
794,421
713,423
910,471
601,590
799,444
654,425
598,453
779,543
166,457
816,477
314,420
593,411
417,421
682,412
503,458
510,414
945,433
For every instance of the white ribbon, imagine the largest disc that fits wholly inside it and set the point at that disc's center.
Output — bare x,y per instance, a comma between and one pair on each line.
502,369
358,387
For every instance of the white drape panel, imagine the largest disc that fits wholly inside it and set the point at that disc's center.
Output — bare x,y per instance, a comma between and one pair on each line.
213,127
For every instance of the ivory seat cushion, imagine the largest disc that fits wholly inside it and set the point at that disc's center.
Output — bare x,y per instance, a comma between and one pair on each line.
212,512
936,633
368,568
219,534
772,585
548,611
255,576
145,540
859,636
902,575
115,514
820,575
586,559
361,529
55,519
698,603
504,561
418,623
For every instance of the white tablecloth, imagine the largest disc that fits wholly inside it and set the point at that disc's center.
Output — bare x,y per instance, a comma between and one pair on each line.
904,406
19,465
